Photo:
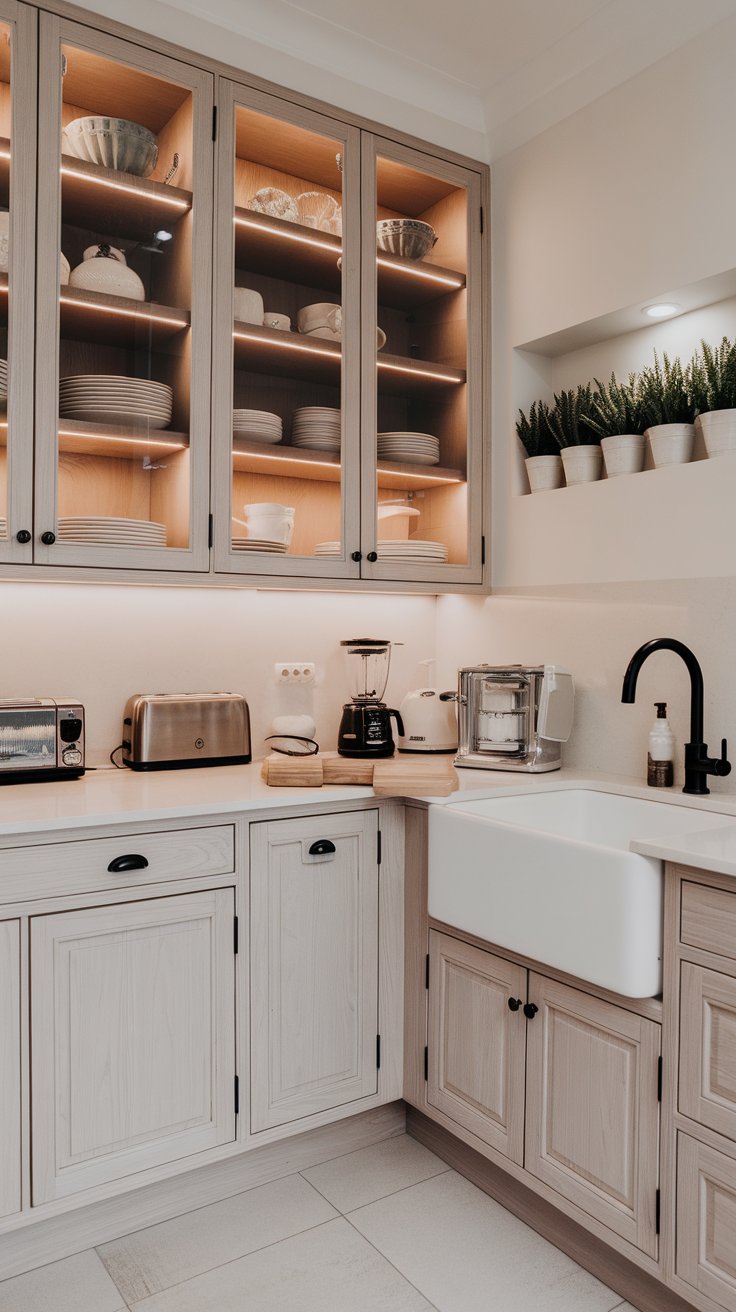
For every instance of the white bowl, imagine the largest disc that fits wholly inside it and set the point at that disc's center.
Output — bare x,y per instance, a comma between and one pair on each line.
116,143
409,238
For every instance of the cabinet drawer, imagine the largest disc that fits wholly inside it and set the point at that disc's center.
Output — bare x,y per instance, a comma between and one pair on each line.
708,919
707,1086
60,869
706,1221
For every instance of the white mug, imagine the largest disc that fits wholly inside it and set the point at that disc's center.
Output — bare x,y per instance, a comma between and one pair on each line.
281,321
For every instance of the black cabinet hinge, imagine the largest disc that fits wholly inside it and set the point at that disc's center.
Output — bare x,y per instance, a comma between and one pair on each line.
235,935
214,122
378,1052
426,1063
236,1092
659,1079
481,219
210,531
426,972
657,1210
378,848
483,550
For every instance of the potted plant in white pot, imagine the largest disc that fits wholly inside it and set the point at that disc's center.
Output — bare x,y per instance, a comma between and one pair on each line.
579,445
667,412
615,416
543,462
712,379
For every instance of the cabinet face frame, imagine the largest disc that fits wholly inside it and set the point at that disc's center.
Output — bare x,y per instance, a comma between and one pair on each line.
55,32
23,21
504,1041
58,1171
230,96
634,1219
10,1066
477,366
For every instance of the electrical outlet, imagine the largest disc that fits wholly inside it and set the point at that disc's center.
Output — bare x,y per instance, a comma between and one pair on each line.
290,672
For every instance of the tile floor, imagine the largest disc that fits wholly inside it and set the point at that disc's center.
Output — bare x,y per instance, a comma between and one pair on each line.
387,1229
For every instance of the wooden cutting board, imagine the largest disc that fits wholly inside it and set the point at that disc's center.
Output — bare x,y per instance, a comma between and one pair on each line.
425,776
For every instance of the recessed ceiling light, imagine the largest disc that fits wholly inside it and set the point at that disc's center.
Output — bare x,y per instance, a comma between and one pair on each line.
662,310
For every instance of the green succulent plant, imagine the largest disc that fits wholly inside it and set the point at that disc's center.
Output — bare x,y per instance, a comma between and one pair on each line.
615,408
568,418
663,394
534,432
711,377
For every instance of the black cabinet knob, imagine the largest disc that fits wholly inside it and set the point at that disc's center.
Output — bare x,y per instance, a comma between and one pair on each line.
514,1004
530,1010
23,536
120,865
372,555
356,555
48,539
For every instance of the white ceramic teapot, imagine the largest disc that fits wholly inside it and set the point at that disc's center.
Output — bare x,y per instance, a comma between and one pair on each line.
104,269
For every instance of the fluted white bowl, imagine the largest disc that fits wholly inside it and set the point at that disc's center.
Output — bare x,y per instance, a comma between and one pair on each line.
116,143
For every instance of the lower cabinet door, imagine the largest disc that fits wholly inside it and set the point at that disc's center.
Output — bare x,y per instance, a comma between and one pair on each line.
707,1087
706,1221
10,1137
477,1042
313,965
133,1038
592,1113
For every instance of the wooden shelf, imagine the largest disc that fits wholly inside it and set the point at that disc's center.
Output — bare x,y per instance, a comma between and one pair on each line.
270,351
293,252
325,467
106,201
117,440
116,320
4,171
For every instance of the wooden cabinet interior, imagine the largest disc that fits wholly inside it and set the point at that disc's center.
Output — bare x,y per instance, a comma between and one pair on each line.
107,468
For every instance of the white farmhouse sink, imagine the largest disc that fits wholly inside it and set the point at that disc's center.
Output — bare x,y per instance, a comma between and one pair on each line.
549,875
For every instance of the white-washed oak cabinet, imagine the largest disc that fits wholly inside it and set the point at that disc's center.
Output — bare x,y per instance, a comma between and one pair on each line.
10,1067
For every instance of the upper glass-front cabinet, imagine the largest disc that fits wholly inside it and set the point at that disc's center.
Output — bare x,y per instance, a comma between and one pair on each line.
422,383
123,339
287,304
17,254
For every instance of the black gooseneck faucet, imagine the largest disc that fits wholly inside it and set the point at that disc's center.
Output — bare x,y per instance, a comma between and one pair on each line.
698,763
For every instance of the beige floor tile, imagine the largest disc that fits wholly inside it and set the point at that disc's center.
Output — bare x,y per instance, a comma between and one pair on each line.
330,1269
468,1254
371,1173
167,1254
76,1284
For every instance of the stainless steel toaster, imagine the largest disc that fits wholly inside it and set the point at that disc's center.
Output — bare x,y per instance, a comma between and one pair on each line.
171,731
40,738
514,717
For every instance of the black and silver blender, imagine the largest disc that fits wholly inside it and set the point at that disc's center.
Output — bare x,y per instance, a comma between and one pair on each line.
365,727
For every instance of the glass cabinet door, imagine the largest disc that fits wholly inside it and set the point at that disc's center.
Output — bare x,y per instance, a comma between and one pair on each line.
423,377
17,255
286,383
123,341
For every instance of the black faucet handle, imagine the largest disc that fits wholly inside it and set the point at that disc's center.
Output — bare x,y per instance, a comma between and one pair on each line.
723,767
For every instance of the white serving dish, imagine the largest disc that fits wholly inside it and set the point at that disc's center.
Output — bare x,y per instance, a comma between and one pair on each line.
116,143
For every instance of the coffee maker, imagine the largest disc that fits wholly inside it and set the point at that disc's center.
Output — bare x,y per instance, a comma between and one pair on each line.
365,727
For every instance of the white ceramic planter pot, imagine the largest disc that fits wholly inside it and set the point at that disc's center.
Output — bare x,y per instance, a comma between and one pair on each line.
719,432
672,444
544,472
582,464
623,454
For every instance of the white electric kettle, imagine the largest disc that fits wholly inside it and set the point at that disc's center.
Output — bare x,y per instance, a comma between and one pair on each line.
429,718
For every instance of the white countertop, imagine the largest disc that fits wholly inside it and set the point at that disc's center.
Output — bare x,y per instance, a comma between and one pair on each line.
114,797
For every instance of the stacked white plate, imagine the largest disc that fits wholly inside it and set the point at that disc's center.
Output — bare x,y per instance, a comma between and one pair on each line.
409,448
259,544
3,528
317,427
108,531
257,425
115,399
415,549
3,379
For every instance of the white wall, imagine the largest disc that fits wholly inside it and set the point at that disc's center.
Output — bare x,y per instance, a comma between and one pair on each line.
101,644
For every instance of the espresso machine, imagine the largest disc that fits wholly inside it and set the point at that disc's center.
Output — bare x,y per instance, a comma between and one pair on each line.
365,727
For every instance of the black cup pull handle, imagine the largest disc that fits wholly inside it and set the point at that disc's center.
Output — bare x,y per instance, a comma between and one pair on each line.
323,847
120,865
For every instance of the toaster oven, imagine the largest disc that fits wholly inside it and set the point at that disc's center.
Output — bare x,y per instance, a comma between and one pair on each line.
40,738
514,717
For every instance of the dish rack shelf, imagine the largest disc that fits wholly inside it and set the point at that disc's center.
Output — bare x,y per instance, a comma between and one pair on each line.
324,467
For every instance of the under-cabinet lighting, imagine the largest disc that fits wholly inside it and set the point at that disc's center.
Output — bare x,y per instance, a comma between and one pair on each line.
418,372
440,374
415,272
175,201
661,310
4,154
425,478
121,311
334,464
127,441
288,346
